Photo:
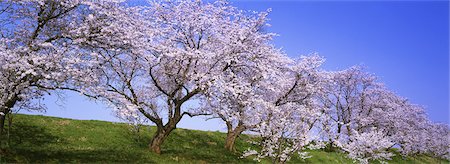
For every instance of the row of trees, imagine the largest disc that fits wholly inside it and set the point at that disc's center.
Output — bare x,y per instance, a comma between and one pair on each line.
148,62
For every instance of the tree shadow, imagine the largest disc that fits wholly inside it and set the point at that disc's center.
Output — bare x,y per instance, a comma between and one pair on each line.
26,134
79,156
23,135
35,144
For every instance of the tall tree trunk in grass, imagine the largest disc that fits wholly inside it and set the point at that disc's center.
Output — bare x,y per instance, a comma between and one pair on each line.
232,135
2,123
157,141
163,130
160,136
5,111
3,116
8,132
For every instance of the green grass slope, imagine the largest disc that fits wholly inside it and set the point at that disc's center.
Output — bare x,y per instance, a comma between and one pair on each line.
41,139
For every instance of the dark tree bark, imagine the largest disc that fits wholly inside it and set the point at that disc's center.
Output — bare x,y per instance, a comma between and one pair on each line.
2,124
6,111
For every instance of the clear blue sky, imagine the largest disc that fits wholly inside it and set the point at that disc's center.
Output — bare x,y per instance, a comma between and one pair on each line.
405,44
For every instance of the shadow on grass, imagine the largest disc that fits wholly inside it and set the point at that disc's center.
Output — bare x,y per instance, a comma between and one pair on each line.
35,144
77,156
26,134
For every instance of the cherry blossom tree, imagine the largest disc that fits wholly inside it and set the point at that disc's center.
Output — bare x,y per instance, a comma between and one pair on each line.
438,140
51,45
347,96
291,112
357,104
36,54
415,134
360,110
181,49
367,146
235,93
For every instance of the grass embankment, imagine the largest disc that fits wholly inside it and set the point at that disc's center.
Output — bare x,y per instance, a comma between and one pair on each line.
41,139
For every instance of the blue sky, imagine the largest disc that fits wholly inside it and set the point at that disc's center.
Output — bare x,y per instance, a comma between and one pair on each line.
404,43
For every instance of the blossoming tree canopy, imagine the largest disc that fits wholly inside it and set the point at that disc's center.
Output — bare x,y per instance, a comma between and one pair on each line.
38,50
148,62
291,111
185,48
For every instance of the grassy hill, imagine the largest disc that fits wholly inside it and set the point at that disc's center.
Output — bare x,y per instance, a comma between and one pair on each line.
41,139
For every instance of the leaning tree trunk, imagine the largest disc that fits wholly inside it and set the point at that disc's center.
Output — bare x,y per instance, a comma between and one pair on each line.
162,133
232,135
230,140
175,116
158,140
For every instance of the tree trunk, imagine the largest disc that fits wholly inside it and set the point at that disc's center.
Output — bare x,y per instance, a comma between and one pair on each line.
6,109
8,132
5,112
2,123
229,142
231,137
157,141
330,147
159,137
